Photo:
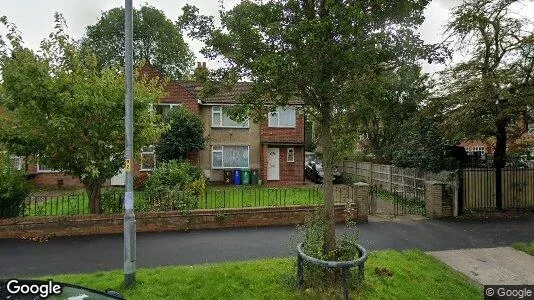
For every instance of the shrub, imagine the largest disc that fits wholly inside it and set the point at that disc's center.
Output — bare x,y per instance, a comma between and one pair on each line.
112,201
175,185
13,189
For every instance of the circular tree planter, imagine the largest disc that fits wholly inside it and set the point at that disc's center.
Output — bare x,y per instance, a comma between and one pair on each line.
345,267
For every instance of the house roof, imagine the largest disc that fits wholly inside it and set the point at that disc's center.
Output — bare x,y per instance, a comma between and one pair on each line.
225,96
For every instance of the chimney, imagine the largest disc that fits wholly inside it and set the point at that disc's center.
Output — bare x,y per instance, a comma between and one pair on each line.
199,65
203,65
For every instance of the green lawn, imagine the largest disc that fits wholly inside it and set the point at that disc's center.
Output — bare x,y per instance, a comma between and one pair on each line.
215,197
525,247
414,276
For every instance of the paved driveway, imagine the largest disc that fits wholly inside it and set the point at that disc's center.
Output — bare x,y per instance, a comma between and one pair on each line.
92,253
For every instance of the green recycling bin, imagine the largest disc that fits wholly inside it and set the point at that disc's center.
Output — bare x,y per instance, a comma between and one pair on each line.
254,176
245,177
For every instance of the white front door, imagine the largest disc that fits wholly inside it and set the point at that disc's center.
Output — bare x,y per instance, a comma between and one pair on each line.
119,179
273,164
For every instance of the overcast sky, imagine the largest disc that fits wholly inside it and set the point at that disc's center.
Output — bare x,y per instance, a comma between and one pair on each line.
34,18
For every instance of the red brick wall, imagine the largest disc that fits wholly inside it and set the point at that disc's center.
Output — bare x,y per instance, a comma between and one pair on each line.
163,221
176,93
291,173
273,134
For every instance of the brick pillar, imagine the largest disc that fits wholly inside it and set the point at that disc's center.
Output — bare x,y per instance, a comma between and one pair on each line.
438,200
361,199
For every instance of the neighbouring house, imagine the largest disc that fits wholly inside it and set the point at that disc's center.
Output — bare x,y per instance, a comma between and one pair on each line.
275,146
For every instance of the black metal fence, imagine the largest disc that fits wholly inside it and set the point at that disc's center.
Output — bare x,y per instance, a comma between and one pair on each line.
212,198
478,188
406,201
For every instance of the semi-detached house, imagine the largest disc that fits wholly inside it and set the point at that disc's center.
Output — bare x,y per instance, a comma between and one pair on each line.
275,146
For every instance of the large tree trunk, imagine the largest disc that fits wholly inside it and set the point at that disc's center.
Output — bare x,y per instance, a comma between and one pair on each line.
329,235
499,158
93,192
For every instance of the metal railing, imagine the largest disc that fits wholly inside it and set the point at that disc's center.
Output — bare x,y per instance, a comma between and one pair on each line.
212,198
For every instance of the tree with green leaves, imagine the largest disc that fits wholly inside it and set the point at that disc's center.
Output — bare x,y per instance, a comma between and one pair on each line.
66,112
184,134
487,93
325,53
156,41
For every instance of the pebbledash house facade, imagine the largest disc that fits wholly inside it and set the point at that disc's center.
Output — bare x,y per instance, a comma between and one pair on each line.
274,147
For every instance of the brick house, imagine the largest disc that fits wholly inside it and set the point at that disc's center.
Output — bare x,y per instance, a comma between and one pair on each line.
275,146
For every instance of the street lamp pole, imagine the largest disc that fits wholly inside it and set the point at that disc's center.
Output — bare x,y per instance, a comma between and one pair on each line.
129,217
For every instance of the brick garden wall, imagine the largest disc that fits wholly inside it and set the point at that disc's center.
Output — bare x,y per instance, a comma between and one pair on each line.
165,221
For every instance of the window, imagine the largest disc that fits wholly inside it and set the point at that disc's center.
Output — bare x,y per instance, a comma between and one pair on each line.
531,128
283,117
163,108
290,154
44,169
17,162
229,157
221,119
148,159
479,149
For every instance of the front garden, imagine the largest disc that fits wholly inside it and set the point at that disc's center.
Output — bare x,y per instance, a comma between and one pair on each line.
388,275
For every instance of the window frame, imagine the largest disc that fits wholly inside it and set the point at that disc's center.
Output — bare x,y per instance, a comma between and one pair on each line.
223,167
220,111
170,105
153,152
277,113
292,149
18,159
39,170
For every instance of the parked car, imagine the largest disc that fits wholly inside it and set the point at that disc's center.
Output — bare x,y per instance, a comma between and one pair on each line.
313,170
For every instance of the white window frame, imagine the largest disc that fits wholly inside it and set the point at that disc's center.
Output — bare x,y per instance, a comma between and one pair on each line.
480,149
277,112
221,150
39,170
219,109
291,149
19,160
153,152
530,128
170,105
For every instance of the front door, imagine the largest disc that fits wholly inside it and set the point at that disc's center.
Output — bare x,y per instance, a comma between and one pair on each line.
273,164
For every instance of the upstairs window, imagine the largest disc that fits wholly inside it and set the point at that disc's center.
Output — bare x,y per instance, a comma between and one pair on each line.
17,162
44,169
531,128
283,117
164,108
479,149
148,159
220,119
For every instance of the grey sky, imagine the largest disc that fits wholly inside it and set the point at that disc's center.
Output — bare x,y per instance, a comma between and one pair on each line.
34,18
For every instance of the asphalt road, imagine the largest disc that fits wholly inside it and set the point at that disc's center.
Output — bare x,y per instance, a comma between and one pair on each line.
22,258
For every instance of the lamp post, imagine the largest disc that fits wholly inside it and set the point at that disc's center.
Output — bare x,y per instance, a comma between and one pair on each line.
129,217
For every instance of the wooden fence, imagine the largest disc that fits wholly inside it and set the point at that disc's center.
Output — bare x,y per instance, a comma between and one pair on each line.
390,177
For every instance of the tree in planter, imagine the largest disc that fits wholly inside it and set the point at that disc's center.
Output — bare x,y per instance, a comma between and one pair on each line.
156,40
325,53
72,109
185,133
485,95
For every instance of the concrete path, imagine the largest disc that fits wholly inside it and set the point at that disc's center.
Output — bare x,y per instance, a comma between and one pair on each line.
98,253
491,266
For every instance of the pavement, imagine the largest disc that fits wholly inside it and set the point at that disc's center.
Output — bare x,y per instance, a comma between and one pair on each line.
82,254
491,266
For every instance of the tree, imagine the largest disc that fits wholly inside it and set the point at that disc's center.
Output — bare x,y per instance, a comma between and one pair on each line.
70,108
156,40
325,53
488,92
185,134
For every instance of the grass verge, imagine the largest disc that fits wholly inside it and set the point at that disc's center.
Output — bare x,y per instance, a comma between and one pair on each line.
414,275
528,248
